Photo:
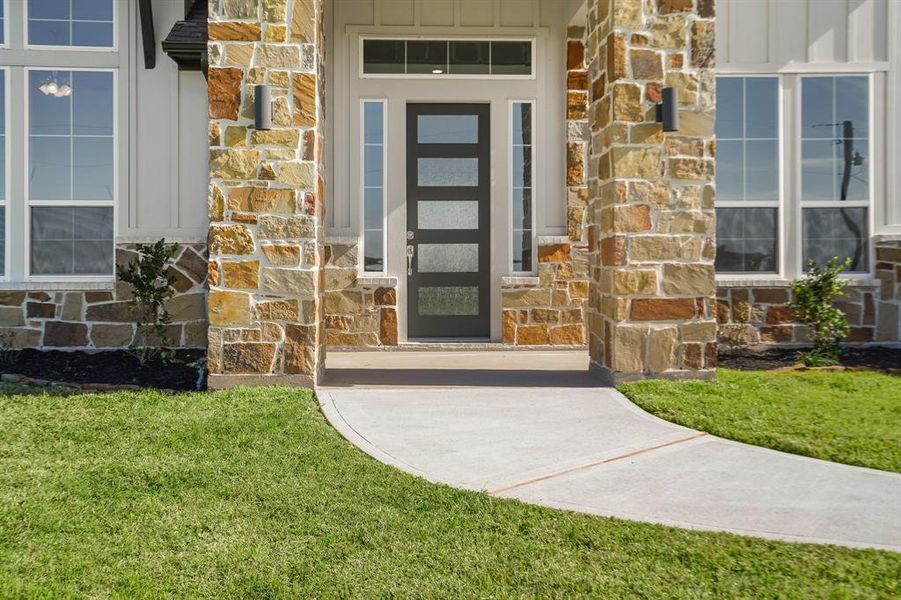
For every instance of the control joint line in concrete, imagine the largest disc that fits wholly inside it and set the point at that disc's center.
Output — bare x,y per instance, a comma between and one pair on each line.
603,461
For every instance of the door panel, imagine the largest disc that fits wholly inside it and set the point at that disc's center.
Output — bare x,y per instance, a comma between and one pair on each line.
448,217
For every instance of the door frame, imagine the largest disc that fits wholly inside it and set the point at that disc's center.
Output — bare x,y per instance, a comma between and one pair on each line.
468,326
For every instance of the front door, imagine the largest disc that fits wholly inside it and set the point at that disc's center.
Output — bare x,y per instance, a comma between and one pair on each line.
448,211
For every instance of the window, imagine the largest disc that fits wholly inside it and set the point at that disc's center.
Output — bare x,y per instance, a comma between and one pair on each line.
373,186
2,22
70,172
58,201
747,175
835,182
522,174
442,58
72,23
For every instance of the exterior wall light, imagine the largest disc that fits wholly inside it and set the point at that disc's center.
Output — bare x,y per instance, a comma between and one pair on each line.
668,110
262,107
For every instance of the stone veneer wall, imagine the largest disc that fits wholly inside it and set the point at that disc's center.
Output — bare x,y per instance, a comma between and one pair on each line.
358,313
750,316
651,216
266,235
102,318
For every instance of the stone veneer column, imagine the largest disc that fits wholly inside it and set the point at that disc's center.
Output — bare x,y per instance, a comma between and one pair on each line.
266,194
651,217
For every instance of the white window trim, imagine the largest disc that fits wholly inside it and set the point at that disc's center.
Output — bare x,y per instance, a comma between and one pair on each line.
362,189
533,188
7,185
800,204
113,48
778,204
29,203
448,38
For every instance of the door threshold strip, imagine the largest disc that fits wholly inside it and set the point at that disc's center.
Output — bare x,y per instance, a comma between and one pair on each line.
595,463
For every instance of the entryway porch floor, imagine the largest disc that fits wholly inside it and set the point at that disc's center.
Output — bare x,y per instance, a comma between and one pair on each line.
534,426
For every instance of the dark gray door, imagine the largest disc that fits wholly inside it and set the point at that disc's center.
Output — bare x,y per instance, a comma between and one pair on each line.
448,211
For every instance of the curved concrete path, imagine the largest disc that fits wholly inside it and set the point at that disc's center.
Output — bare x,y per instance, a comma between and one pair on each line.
535,427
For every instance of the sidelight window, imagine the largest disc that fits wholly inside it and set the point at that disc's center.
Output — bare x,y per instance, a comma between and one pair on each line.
522,184
373,185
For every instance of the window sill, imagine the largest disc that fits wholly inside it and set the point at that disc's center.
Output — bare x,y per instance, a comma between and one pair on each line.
377,280
775,282
512,280
58,286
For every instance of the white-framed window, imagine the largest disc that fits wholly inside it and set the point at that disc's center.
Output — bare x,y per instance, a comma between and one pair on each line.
836,159
522,185
748,167
794,172
373,183
463,58
4,168
61,140
70,24
3,22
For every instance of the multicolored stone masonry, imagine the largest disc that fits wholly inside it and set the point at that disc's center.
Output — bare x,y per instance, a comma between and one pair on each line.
103,318
266,235
651,220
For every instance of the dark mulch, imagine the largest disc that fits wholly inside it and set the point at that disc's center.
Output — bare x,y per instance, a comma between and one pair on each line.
878,358
113,367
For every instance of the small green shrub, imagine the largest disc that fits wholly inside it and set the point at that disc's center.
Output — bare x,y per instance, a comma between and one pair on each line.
813,303
152,290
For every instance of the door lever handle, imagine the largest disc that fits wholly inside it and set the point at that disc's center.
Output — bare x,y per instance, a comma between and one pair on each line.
410,252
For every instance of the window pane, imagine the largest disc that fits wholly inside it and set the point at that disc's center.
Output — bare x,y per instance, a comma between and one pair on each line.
522,123
427,57
70,135
373,255
729,170
761,170
383,56
2,22
522,250
447,129
2,240
730,109
373,164
761,107
470,58
835,144
448,172
72,241
746,240
447,258
511,58
373,122
522,209
447,214
522,166
448,301
373,215
2,133
841,232
87,23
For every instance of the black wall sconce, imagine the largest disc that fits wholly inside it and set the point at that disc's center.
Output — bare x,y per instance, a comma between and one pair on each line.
262,107
668,110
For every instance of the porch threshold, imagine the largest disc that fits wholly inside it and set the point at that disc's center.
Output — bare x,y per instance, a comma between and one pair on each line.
455,344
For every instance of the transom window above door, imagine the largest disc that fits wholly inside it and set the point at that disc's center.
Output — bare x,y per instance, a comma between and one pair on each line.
464,58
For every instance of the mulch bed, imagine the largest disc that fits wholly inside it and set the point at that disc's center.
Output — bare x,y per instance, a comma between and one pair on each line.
877,358
116,367
122,369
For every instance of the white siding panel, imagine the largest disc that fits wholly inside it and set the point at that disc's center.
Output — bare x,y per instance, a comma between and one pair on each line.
356,12
396,12
788,43
516,13
867,20
193,164
749,25
436,13
828,31
476,13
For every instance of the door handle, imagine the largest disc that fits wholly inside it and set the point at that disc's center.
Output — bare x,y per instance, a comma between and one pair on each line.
410,252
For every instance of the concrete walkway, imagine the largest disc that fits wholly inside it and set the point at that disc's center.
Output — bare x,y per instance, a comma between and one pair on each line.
534,426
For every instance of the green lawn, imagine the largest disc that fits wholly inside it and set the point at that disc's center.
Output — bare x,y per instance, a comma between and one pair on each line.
852,417
252,494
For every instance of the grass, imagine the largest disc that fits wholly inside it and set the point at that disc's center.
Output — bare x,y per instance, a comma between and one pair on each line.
852,417
250,493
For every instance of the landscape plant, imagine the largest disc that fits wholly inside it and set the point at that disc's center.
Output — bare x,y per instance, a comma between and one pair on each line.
813,303
151,291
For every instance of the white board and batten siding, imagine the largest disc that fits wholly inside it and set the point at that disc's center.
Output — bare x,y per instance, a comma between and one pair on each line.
797,37
168,153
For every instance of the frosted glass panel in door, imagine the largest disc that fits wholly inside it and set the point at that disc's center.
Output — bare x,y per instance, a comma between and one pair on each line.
448,301
448,258
448,214
448,129
448,172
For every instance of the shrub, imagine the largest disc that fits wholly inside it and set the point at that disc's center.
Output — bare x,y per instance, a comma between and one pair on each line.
152,290
813,303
